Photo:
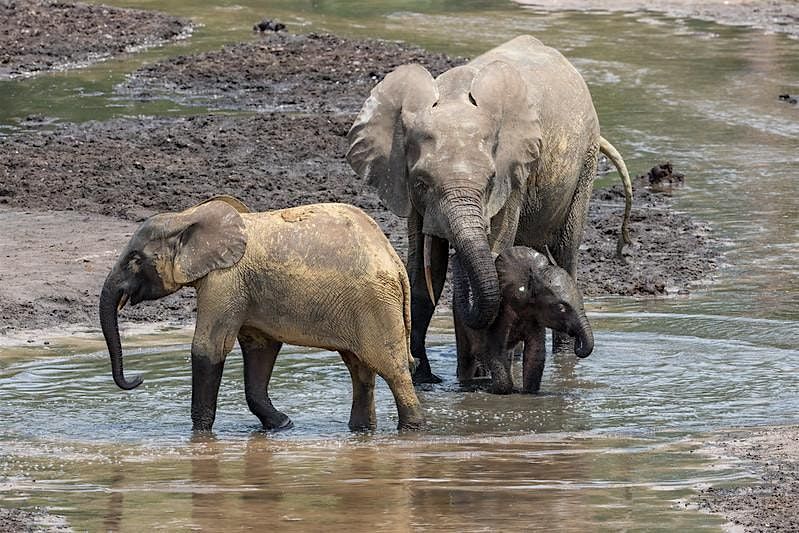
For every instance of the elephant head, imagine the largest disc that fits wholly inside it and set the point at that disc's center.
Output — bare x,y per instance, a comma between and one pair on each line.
538,290
452,149
167,252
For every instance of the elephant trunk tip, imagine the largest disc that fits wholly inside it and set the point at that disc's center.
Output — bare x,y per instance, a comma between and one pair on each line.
124,384
583,346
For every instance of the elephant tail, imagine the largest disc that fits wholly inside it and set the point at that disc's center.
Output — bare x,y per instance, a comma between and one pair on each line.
610,151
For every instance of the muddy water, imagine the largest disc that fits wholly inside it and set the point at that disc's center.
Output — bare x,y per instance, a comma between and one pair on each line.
611,438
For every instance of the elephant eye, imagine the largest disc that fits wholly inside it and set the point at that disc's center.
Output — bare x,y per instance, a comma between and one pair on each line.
562,308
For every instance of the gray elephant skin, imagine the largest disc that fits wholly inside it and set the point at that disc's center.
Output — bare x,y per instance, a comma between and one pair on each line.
535,293
499,152
320,275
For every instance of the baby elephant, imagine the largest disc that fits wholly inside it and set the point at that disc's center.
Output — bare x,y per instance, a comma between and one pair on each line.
318,275
535,294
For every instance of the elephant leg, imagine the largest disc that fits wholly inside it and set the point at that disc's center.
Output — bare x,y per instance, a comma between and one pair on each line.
501,378
566,250
421,306
534,357
467,360
206,375
259,354
362,415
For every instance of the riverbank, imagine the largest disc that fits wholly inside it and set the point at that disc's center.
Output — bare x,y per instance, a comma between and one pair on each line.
770,503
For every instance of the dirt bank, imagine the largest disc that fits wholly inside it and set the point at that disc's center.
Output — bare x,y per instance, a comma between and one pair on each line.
770,504
38,35
780,16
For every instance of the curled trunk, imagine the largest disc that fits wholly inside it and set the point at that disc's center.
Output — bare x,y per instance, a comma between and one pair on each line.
583,338
476,294
109,300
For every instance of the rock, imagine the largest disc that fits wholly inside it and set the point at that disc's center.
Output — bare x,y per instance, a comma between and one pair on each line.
790,99
662,178
269,25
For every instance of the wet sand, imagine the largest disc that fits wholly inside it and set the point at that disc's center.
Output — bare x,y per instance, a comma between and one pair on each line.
71,195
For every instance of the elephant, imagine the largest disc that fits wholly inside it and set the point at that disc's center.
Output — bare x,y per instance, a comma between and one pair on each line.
535,293
498,152
321,275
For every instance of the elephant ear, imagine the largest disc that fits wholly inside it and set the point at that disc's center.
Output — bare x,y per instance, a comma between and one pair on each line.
499,90
208,236
377,137
232,201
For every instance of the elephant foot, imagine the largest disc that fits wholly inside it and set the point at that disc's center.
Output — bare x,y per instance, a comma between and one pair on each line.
423,374
425,377
480,372
409,426
362,426
276,421
502,388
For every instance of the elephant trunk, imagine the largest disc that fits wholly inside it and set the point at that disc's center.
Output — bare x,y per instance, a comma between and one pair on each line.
110,299
477,293
584,337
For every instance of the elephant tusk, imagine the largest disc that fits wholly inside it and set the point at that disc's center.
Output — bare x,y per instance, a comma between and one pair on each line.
428,243
122,302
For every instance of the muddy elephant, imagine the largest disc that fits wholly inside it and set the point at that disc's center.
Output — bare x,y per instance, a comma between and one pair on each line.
535,293
318,275
497,152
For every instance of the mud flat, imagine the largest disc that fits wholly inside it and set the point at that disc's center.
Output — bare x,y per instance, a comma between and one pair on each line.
41,35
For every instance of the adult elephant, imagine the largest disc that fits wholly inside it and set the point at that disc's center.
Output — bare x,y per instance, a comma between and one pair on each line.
497,152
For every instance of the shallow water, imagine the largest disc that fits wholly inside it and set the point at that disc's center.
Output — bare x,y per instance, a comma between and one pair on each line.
610,440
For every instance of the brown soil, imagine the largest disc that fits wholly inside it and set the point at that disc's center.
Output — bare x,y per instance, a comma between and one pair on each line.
39,35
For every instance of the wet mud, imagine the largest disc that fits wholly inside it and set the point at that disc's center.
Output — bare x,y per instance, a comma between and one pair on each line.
770,504
41,35
128,169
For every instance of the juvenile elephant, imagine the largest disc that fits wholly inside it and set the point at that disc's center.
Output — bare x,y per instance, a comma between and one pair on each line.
535,293
318,275
497,152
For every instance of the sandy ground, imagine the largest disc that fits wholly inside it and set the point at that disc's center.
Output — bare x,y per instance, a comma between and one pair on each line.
71,196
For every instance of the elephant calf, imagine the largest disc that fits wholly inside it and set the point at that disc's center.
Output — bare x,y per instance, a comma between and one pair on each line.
319,275
535,293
